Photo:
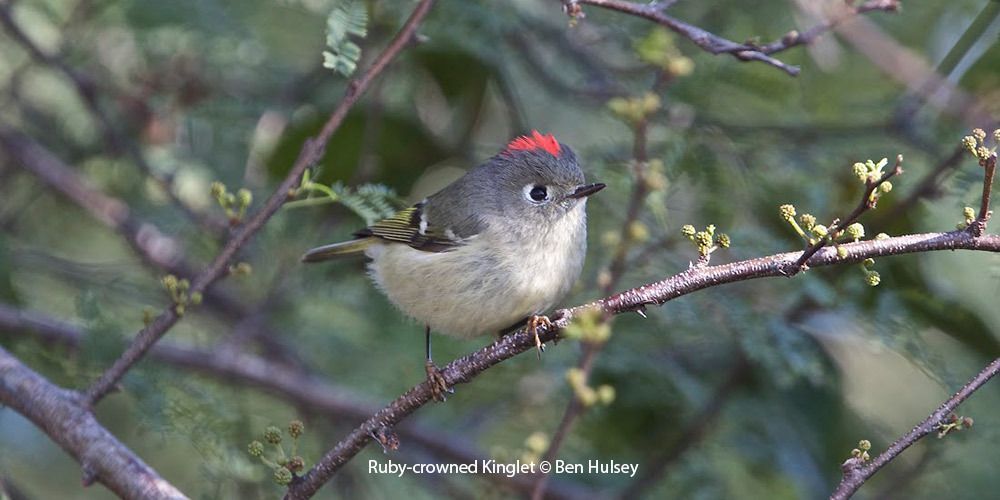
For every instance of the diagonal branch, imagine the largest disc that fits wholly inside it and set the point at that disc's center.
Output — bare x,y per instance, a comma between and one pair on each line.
468,367
856,472
312,152
66,419
714,44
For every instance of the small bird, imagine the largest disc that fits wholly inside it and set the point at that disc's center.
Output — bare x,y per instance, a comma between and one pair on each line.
487,253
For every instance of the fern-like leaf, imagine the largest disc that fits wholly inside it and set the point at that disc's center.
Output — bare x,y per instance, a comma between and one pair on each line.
350,18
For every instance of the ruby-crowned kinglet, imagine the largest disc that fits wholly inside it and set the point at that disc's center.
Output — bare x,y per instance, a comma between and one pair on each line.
499,245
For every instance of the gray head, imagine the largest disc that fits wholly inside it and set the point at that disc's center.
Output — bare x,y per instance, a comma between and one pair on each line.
534,179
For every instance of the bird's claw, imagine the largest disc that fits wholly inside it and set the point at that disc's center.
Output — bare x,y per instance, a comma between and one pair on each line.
534,323
439,387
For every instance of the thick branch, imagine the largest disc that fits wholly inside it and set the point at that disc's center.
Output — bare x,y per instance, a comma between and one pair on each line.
857,472
311,152
62,415
466,368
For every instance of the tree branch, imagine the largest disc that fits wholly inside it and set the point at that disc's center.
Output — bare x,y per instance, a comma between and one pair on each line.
856,472
468,367
311,152
715,44
65,418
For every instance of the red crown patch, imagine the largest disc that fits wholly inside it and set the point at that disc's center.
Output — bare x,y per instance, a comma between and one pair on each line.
533,142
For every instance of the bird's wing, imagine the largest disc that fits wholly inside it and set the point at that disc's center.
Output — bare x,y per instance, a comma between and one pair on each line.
416,226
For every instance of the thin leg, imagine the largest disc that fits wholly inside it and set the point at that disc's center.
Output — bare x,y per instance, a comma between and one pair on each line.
434,378
534,323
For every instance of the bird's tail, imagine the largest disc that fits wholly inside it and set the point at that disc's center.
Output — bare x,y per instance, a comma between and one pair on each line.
337,250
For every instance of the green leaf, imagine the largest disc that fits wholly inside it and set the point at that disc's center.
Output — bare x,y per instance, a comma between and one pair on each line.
350,18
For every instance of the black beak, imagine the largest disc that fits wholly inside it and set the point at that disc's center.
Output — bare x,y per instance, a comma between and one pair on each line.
587,190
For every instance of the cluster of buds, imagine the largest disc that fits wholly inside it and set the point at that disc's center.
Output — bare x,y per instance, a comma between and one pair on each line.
976,144
658,48
953,423
587,395
235,204
812,233
706,241
285,466
240,269
861,452
869,173
968,216
589,326
180,294
872,277
634,110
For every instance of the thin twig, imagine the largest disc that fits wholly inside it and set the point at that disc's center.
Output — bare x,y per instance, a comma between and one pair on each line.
468,367
989,167
866,203
715,44
856,471
311,152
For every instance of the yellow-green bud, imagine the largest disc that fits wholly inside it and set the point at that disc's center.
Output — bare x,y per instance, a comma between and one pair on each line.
869,262
586,395
681,66
861,171
196,298
272,435
606,394
637,231
865,445
820,230
885,187
996,135
787,212
296,428
841,252
807,220
245,197
969,143
537,442
969,213
170,282
574,376
979,134
650,103
282,476
873,278
722,239
703,239
218,189
688,230
856,231
982,152
255,448
881,236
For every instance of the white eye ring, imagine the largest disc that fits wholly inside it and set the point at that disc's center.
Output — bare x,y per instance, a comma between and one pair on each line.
533,191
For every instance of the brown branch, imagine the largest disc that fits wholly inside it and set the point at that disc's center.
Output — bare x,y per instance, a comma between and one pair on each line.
715,44
311,152
989,165
300,389
468,367
67,420
856,472
114,140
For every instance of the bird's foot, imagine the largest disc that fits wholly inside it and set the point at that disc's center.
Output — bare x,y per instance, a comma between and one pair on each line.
439,387
534,323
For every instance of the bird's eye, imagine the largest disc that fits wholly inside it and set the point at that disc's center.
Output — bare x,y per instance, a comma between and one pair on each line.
536,193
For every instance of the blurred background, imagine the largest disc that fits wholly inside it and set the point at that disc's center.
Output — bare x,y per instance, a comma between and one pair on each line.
753,390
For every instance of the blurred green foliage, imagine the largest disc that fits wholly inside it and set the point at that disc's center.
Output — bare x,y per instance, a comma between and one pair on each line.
797,370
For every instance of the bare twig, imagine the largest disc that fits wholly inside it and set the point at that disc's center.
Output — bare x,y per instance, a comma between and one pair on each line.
66,419
715,44
856,471
468,367
310,153
989,166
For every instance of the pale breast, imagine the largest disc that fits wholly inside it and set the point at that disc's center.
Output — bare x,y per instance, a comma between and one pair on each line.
487,284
